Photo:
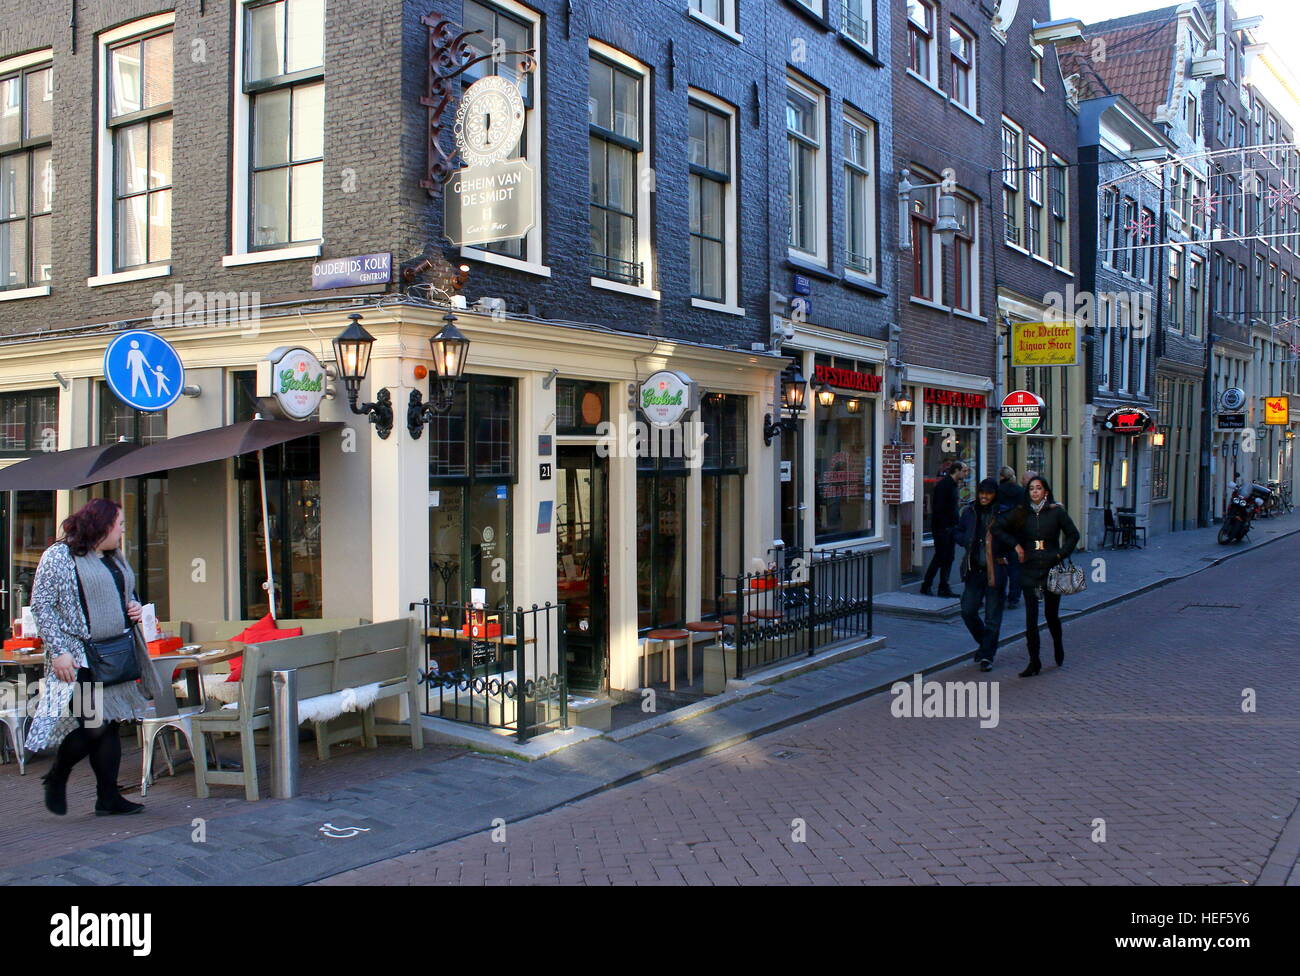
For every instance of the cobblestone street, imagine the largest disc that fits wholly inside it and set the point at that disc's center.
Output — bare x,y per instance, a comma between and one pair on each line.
1142,733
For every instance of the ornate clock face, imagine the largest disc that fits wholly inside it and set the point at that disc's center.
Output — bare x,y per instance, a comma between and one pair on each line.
490,121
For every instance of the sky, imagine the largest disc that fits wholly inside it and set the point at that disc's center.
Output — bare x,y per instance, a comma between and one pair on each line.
1281,18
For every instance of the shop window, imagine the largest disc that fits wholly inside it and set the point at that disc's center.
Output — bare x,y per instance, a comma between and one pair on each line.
722,498
844,470
661,530
471,493
950,411
27,529
29,422
581,406
144,500
294,515
26,176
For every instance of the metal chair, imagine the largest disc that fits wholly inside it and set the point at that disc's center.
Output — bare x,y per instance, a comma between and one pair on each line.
1112,530
13,718
166,714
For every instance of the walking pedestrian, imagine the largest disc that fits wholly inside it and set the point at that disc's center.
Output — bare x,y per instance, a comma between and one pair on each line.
943,523
989,551
84,594
1044,535
1010,497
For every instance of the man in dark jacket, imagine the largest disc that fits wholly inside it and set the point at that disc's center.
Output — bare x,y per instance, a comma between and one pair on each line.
989,547
1010,497
943,522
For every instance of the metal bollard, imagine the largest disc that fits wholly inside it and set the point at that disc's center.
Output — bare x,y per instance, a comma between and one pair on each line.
284,740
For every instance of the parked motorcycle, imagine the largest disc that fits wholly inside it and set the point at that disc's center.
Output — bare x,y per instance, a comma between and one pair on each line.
1243,509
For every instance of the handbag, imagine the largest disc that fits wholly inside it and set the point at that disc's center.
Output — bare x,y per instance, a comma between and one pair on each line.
1066,579
112,661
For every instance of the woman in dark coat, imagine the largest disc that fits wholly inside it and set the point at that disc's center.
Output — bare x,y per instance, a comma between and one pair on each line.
1045,535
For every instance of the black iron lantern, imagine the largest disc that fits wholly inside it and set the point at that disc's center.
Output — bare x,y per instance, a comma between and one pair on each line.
450,350
794,393
352,360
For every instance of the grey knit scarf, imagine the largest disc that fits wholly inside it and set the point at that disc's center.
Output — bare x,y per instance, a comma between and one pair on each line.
106,618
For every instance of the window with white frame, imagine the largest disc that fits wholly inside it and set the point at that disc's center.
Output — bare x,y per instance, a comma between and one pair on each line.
962,264
856,22
920,39
1060,221
618,151
860,195
1107,213
1011,183
925,243
1122,311
720,12
961,46
1036,220
805,138
138,123
711,157
26,174
512,27
1138,350
1036,64
1176,289
281,81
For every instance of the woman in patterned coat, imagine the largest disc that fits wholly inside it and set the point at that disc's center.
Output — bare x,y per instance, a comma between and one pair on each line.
85,562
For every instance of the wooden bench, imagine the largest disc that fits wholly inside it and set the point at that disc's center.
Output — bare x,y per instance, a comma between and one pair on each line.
387,654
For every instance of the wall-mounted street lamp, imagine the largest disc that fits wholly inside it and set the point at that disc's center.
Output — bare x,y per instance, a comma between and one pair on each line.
854,404
794,392
902,402
1158,439
352,359
450,349
825,395
947,225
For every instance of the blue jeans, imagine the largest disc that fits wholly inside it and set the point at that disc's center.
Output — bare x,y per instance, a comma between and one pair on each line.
979,595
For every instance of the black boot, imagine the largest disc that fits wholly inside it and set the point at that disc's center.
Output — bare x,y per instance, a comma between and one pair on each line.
56,791
946,591
1035,665
925,590
1059,653
116,803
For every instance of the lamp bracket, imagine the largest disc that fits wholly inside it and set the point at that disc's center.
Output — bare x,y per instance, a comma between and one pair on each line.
380,412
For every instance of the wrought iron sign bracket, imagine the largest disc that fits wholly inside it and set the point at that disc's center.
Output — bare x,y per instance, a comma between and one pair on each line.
450,56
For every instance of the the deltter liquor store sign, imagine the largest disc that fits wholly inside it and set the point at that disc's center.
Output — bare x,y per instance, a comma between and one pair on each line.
1043,344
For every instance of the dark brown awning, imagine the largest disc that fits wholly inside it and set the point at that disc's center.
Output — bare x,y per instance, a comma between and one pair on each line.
73,468
211,445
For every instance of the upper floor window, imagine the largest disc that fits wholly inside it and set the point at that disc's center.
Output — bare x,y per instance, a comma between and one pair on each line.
1060,243
805,138
721,12
962,48
711,151
920,33
1036,64
1034,178
860,195
1011,183
26,175
617,154
139,120
284,58
511,27
857,21
962,271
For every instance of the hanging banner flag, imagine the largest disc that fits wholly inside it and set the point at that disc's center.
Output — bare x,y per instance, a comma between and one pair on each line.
1044,344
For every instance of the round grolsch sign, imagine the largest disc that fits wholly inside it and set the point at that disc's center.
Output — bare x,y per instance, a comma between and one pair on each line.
666,396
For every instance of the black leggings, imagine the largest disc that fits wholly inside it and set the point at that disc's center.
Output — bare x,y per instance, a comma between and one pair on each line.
102,745
1051,609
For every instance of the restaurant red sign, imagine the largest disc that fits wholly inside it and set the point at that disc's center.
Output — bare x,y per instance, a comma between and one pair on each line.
955,398
848,379
1128,420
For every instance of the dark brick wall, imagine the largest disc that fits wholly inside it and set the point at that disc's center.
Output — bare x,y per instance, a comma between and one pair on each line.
375,158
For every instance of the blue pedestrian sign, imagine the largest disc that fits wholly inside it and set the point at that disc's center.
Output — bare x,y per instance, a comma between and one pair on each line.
144,371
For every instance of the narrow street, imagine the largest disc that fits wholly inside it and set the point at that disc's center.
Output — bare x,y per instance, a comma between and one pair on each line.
1142,734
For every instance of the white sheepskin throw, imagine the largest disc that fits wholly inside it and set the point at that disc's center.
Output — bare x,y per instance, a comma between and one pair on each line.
322,708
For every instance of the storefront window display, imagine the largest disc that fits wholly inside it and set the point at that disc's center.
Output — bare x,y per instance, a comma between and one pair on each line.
471,489
661,531
29,518
294,516
844,468
722,529
29,422
953,432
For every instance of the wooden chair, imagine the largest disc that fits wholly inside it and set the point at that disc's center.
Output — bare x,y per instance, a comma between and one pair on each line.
666,638
705,632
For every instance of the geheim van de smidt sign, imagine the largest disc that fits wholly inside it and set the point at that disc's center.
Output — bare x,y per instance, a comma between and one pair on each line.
491,199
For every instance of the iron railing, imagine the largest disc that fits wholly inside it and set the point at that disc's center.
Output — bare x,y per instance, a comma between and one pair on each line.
501,669
616,269
811,600
855,25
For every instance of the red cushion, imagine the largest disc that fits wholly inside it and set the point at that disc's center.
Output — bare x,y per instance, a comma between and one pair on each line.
261,632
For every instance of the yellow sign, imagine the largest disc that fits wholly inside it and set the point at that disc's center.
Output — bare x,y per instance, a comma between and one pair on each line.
1043,344
1277,410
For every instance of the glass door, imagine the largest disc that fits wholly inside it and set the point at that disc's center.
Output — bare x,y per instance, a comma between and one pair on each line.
582,563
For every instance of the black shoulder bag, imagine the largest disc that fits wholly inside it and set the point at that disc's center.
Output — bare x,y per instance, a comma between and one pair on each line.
112,661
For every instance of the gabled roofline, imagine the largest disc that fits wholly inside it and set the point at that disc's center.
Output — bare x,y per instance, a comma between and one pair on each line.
1093,110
